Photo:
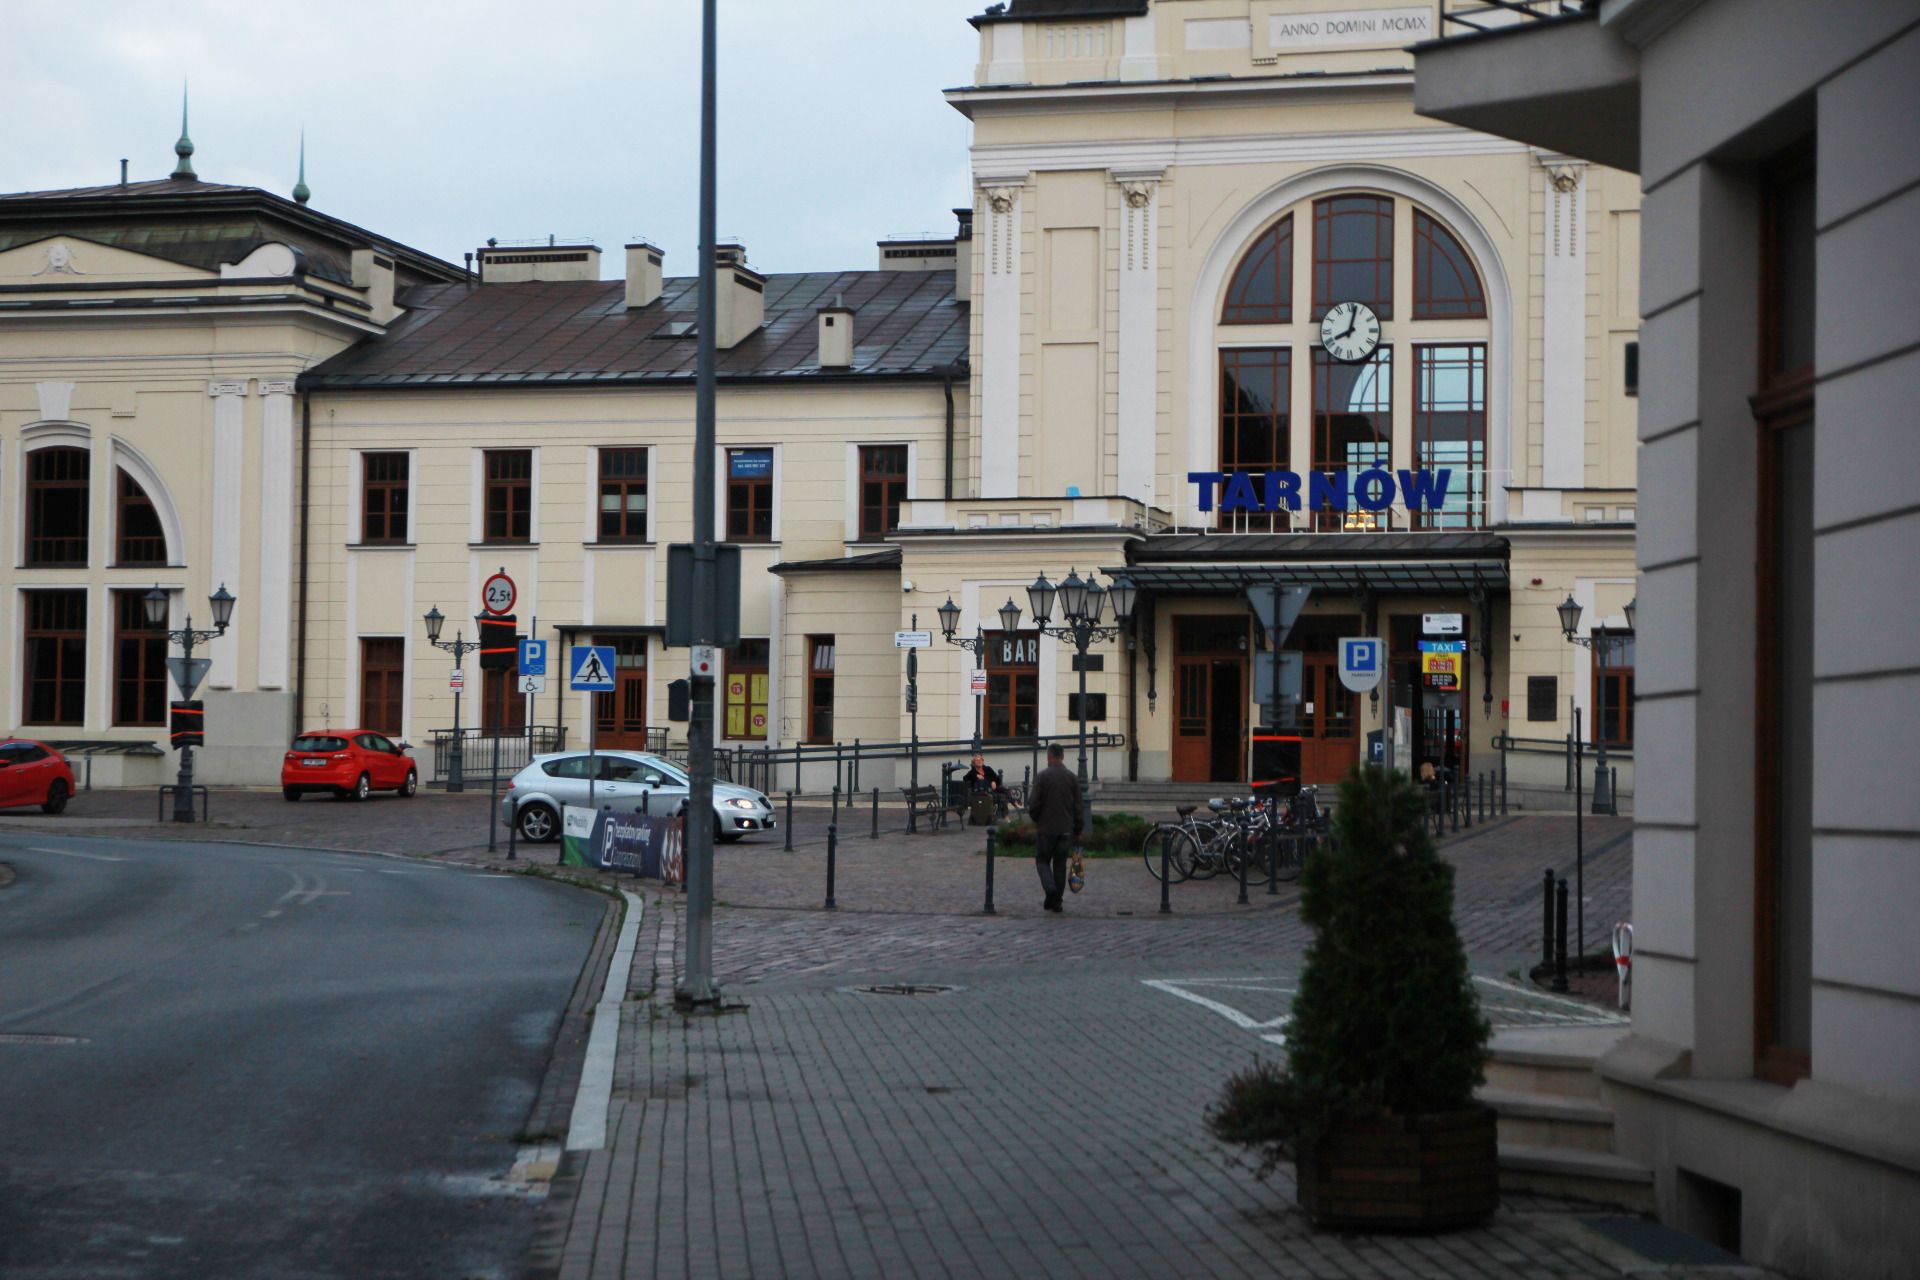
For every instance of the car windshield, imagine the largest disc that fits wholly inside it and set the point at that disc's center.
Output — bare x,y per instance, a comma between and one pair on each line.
318,742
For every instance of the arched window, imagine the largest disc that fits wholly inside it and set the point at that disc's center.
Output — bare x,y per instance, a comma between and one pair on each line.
57,506
1261,291
139,538
1445,285
1353,253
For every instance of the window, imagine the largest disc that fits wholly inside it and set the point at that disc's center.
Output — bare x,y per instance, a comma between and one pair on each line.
139,663
746,700
749,495
1783,708
1631,376
374,742
56,657
57,506
140,539
1543,697
819,688
1352,427
1353,253
382,682
1255,390
623,495
1613,692
580,767
1445,284
1450,430
883,487
383,497
1013,685
509,495
503,708
1261,291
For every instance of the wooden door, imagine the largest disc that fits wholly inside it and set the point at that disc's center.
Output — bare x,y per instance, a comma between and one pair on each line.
620,717
1193,721
1329,721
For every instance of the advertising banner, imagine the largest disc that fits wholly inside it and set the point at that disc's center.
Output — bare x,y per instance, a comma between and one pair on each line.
636,843
576,836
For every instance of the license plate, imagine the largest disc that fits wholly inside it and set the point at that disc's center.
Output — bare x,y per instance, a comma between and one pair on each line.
313,764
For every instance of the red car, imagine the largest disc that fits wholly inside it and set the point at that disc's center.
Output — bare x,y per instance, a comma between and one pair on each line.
33,773
349,763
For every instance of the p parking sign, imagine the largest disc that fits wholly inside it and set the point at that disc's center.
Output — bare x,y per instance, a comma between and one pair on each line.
1363,661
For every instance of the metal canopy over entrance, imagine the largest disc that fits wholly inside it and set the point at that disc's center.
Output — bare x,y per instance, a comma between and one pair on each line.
1400,563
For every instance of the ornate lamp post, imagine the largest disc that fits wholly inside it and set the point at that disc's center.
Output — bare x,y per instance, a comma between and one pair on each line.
976,644
1083,606
1602,646
155,605
459,647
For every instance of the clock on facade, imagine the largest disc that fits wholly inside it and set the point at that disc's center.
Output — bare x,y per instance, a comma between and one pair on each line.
1350,331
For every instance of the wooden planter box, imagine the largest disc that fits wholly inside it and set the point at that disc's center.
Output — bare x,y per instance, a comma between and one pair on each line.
1403,1173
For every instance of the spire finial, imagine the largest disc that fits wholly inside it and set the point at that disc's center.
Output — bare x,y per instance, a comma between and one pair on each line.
184,147
300,193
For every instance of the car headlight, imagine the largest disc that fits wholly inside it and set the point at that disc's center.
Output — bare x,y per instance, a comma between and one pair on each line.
739,804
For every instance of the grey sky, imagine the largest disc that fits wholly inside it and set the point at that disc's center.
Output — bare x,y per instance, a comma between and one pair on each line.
441,124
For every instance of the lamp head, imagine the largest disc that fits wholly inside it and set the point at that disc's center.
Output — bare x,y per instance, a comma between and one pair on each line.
1073,597
1096,601
221,602
1040,600
949,617
1009,616
435,619
1569,611
155,603
1123,594
1632,608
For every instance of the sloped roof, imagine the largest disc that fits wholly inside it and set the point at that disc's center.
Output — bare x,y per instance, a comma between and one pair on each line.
907,324
1058,10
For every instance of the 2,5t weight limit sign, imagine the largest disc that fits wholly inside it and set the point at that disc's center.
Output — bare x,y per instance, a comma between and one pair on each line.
498,594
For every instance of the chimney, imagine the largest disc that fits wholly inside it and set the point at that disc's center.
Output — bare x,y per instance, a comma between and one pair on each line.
835,326
510,264
373,272
739,297
916,253
643,274
963,256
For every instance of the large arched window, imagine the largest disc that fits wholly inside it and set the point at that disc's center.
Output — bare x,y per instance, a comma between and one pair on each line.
1353,253
57,506
1445,285
138,538
1261,291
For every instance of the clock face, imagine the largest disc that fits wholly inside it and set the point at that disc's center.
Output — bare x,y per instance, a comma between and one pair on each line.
1350,331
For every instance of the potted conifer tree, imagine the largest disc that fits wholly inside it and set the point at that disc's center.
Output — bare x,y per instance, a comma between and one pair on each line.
1386,1043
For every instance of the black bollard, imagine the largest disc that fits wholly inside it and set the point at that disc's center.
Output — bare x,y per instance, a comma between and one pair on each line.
1453,804
1560,936
988,909
876,815
1166,873
789,848
1546,921
1245,854
1273,862
833,841
513,828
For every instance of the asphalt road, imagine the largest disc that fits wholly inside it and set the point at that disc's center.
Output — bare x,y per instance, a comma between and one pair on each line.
290,1063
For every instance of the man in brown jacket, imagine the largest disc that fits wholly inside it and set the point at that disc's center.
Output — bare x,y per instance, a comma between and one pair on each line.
1054,805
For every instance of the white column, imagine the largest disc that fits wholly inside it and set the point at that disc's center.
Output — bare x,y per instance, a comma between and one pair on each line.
228,494
1000,346
1564,317
1139,332
275,587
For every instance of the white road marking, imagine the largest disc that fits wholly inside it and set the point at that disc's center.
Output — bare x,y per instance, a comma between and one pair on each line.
588,1128
1587,1012
1173,987
75,853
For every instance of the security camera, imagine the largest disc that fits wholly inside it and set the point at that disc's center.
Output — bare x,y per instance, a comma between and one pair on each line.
906,586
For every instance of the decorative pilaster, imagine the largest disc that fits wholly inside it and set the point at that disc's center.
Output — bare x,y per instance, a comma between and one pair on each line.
1139,355
275,585
1564,326
1000,341
228,493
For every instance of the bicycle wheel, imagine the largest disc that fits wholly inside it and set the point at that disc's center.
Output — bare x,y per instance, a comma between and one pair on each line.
1289,851
1205,849
1170,836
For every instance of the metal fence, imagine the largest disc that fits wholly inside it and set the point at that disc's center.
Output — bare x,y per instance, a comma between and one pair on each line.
857,765
1541,771
517,750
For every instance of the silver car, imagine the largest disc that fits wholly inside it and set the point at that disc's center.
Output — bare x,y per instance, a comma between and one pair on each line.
630,781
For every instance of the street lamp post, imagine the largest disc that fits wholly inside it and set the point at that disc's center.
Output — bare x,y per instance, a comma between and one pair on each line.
976,644
1083,607
1602,646
459,647
155,604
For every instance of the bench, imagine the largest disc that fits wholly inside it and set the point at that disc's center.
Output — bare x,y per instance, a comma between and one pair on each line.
925,802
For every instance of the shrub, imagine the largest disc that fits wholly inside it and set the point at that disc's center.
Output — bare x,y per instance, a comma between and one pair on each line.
1386,1019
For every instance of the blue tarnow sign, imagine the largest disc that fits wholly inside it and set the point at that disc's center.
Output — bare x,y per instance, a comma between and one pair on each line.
1370,489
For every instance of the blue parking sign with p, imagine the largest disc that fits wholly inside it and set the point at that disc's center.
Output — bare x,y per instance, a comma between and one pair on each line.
1362,662
533,657
592,668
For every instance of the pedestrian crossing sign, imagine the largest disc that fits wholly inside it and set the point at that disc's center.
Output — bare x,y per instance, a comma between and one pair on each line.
592,668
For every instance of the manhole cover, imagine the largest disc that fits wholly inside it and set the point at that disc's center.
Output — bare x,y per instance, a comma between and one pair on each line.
904,989
35,1037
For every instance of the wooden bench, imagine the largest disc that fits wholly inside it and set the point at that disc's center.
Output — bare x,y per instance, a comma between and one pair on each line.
925,803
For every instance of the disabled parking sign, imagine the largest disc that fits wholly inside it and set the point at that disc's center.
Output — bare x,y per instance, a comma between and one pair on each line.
1363,661
592,668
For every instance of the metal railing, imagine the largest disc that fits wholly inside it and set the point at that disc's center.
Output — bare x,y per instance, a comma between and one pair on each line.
1547,764
517,749
772,769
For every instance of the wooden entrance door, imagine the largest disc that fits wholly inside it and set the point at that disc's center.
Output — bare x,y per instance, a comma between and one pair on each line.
620,717
1210,699
1329,721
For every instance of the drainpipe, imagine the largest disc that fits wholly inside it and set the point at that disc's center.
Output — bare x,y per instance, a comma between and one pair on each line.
1133,706
300,641
946,384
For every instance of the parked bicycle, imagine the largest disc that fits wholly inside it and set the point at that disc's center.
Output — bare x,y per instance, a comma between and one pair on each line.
1253,831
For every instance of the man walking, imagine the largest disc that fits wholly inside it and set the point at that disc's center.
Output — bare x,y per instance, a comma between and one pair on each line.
1054,806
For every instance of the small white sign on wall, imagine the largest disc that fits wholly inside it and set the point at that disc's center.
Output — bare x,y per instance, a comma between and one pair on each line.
1392,27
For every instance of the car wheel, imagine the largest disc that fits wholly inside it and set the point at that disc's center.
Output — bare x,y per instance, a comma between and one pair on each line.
411,787
362,787
290,794
56,797
537,824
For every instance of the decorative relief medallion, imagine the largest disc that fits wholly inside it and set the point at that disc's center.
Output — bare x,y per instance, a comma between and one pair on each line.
227,387
281,388
1000,199
1564,177
1139,194
60,261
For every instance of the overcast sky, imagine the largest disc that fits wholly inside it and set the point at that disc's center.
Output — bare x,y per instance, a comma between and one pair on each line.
441,124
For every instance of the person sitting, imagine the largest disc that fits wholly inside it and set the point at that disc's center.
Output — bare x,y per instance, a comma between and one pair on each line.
986,796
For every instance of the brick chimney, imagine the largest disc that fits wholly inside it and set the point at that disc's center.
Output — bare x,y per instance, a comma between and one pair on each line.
372,271
739,297
963,256
510,264
835,326
643,274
